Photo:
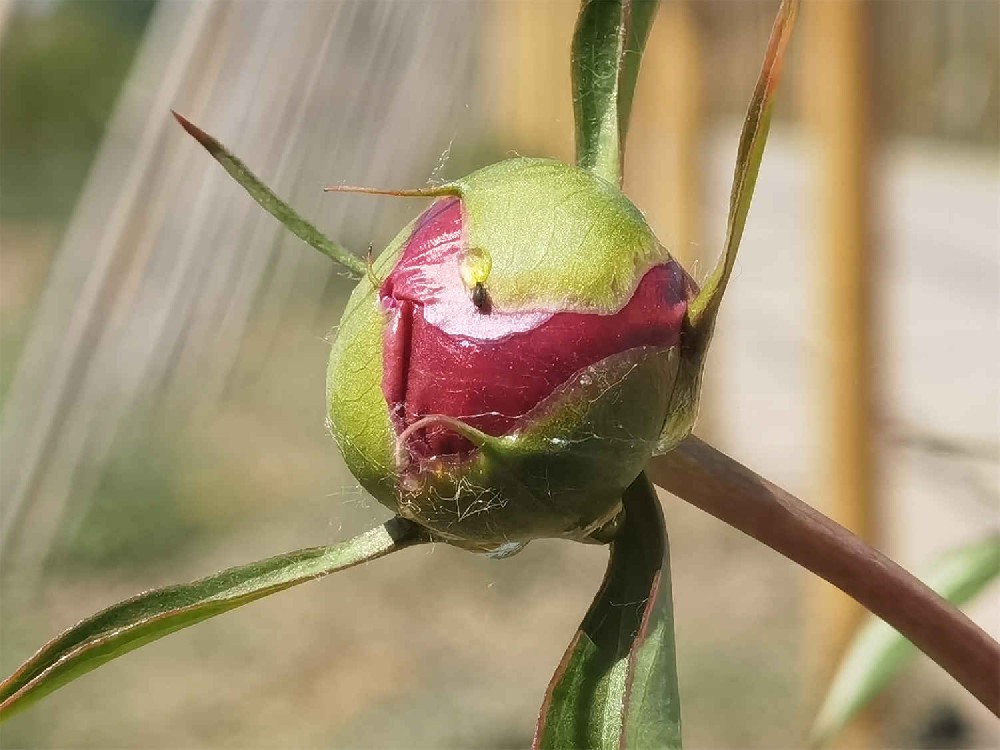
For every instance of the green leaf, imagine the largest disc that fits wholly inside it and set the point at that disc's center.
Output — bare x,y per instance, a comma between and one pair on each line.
607,49
705,306
272,203
878,651
144,618
616,686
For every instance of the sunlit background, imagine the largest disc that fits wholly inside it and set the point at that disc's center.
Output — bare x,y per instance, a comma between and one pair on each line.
164,345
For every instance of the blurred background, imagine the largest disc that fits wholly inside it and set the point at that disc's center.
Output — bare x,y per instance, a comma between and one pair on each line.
164,346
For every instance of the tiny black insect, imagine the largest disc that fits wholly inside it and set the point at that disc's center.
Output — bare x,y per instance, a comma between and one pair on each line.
479,296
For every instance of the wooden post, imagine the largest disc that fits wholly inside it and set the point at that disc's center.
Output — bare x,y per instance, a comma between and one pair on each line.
837,112
663,161
531,76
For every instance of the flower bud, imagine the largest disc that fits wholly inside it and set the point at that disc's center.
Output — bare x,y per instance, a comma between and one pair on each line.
514,358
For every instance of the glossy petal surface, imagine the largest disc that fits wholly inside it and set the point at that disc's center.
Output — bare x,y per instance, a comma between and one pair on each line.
488,366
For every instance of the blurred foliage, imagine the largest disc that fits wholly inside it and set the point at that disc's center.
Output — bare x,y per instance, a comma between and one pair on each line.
935,65
136,515
878,652
61,67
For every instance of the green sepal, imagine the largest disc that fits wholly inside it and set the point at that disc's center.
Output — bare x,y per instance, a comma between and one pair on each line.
357,413
702,311
685,399
559,238
705,307
561,474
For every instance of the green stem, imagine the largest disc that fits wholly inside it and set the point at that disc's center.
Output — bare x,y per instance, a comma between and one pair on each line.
607,48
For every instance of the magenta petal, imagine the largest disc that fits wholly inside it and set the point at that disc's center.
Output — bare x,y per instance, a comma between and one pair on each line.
489,367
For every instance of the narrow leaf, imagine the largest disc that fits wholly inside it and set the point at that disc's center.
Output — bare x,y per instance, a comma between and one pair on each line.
272,203
705,306
878,651
607,49
144,618
616,686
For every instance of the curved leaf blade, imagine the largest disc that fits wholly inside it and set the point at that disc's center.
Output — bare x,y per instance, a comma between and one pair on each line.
705,306
149,616
607,48
878,652
616,686
272,203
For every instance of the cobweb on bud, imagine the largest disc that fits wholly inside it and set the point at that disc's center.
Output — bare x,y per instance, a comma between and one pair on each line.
435,176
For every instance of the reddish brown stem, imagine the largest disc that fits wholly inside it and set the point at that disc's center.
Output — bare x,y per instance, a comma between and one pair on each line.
710,480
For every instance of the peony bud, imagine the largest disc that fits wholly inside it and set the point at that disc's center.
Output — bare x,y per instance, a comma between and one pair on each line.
514,358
